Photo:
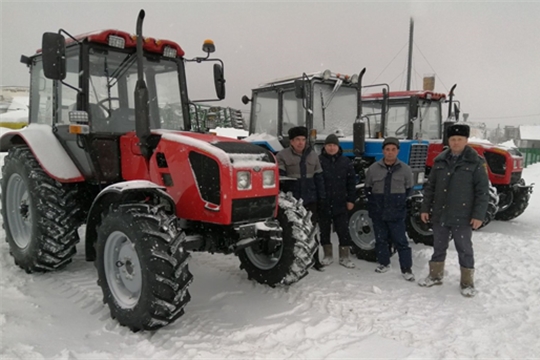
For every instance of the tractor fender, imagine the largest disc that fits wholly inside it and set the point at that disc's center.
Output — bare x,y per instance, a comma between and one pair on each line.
121,193
47,150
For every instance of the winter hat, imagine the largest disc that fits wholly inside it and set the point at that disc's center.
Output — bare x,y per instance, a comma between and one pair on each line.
331,139
297,131
458,129
390,141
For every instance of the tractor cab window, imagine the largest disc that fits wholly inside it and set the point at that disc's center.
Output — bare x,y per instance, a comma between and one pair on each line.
111,87
293,112
334,108
372,115
265,109
67,96
41,96
428,123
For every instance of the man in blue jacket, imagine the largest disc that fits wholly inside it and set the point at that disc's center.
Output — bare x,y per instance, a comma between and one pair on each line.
388,183
457,196
340,188
301,162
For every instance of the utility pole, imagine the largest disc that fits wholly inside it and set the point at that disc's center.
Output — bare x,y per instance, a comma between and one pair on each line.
409,64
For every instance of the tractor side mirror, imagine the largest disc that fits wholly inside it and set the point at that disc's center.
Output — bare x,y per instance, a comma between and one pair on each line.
53,47
245,100
219,81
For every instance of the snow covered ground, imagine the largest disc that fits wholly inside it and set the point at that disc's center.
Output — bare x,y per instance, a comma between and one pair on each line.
340,313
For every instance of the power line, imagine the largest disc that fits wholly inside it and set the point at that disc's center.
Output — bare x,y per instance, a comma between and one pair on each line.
389,63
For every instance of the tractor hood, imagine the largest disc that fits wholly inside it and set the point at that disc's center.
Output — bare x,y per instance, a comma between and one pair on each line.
227,150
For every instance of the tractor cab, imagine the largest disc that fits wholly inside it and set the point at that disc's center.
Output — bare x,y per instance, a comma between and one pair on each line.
94,107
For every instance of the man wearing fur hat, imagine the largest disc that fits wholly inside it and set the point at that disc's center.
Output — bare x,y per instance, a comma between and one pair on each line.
388,184
340,187
302,163
457,196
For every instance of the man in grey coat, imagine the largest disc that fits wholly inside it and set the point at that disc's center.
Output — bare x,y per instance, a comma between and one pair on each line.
388,183
457,195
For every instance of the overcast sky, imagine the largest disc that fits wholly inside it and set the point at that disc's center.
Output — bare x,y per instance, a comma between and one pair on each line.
491,50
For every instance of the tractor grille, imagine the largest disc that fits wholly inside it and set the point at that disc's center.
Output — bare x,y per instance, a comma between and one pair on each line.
516,176
253,209
417,159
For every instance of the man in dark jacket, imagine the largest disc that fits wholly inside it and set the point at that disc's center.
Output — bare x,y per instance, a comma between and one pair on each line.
300,162
457,195
388,183
340,186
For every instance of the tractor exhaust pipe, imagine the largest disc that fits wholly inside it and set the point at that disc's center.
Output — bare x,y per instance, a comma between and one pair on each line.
142,110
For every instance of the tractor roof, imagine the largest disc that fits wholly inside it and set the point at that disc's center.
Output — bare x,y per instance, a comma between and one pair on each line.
125,40
422,94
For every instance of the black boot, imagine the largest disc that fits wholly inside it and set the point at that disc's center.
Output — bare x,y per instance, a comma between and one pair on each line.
316,262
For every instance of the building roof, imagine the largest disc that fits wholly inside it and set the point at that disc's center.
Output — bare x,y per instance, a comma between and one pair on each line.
529,132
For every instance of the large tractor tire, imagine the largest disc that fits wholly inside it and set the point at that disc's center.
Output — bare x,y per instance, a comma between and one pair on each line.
493,206
142,266
513,202
361,232
291,261
417,230
40,215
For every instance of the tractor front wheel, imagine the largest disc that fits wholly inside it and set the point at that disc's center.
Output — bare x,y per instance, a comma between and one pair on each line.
290,261
361,232
417,230
513,202
493,206
142,266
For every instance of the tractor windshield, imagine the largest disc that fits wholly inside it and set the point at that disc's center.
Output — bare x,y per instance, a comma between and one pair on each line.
111,86
425,126
334,108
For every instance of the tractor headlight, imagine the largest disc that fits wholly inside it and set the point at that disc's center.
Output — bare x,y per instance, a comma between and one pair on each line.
243,180
269,178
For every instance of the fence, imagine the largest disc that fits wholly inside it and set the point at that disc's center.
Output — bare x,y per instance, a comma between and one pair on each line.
530,156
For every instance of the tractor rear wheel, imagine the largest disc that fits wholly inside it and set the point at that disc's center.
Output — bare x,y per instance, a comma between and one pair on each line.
361,232
290,261
41,216
513,202
142,266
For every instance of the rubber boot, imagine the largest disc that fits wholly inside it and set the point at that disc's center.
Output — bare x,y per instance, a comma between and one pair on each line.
436,273
316,262
467,282
344,259
328,255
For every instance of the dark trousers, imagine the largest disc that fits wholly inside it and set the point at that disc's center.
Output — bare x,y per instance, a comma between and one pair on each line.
462,236
341,227
387,232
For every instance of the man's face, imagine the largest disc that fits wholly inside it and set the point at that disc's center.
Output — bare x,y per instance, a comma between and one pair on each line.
331,149
390,153
298,144
457,143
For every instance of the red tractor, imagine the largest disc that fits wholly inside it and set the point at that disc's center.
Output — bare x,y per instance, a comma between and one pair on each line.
419,115
148,189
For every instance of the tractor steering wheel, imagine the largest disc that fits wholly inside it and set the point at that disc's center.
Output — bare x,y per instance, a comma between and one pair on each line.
101,104
400,130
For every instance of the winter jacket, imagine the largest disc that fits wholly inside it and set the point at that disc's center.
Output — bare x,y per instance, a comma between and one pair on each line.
339,182
457,192
387,189
307,169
